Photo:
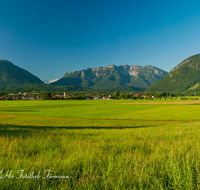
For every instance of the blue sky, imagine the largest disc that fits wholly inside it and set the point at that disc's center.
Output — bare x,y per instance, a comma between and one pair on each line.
49,38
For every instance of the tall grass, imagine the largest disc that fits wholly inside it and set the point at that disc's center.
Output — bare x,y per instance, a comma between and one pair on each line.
166,157
115,152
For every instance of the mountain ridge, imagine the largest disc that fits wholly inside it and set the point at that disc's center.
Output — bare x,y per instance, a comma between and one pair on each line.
112,76
13,75
185,77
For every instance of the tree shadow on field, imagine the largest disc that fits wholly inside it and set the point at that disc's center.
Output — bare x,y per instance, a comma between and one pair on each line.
20,130
19,111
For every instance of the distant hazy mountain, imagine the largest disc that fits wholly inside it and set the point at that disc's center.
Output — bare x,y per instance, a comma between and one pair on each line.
50,81
113,76
185,77
12,75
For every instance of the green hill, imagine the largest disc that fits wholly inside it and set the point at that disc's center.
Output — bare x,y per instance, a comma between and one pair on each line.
185,77
11,75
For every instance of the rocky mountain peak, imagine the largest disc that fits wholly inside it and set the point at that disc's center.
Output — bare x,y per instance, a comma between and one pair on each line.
112,76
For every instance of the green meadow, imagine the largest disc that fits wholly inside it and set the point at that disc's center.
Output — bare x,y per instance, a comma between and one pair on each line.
100,144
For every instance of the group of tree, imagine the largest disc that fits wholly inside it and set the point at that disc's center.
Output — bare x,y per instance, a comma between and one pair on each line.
115,95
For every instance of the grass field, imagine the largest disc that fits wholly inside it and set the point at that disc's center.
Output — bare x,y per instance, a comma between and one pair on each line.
111,144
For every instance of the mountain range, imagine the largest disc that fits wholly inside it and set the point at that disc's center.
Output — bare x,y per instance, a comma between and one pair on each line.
185,77
113,76
109,78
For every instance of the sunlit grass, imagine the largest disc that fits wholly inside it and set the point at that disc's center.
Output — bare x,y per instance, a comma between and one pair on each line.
127,147
154,157
104,109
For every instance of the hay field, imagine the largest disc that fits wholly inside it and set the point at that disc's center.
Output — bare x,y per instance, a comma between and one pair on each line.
99,144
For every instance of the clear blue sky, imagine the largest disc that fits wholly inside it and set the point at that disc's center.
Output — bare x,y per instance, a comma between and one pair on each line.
51,37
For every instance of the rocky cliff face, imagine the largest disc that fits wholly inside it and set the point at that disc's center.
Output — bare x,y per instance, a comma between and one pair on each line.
112,76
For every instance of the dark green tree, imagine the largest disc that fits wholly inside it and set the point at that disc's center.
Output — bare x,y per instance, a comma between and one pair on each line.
116,95
127,96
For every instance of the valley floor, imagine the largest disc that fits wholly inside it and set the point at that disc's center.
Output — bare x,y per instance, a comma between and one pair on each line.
111,144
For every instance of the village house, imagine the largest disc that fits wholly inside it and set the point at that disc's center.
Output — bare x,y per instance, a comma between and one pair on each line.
11,96
90,97
57,96
136,95
106,97
33,96
98,97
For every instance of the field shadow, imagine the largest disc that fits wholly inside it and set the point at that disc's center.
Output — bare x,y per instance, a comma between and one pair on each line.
19,110
18,130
